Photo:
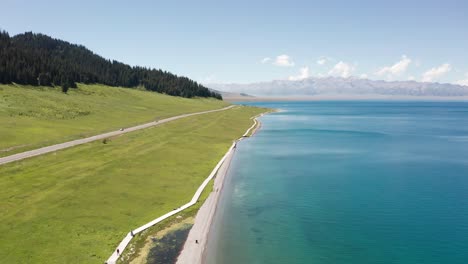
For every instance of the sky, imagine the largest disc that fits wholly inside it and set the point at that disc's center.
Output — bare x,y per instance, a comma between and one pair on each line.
251,41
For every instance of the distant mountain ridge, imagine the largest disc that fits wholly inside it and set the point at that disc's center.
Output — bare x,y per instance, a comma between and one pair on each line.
37,59
343,86
230,95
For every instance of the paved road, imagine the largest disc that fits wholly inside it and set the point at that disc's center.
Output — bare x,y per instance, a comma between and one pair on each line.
48,149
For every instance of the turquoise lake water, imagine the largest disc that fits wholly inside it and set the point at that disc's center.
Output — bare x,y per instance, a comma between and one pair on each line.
348,182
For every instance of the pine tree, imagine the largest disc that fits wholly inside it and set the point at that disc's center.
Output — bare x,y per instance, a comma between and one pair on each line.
37,59
65,87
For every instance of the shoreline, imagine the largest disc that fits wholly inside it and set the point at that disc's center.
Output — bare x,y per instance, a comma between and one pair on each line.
128,238
345,98
193,252
194,248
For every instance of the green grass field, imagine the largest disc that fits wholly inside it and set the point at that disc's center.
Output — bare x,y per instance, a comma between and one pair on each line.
33,117
134,249
75,205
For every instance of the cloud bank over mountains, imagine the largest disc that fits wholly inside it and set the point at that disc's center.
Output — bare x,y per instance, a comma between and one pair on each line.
351,86
332,77
404,69
436,72
396,69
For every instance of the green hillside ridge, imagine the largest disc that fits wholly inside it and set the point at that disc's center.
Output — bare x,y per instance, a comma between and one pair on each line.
75,205
37,59
32,116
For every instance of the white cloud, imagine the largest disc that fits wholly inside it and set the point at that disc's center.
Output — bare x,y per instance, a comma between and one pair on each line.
436,72
208,79
396,69
463,82
265,60
303,74
283,61
323,60
411,78
363,76
342,69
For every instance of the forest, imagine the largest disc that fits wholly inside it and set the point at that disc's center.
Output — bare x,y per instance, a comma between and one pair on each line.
40,60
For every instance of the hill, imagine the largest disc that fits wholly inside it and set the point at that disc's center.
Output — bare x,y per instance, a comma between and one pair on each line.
37,59
344,86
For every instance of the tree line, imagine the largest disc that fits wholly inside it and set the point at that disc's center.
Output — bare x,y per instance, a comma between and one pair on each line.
37,59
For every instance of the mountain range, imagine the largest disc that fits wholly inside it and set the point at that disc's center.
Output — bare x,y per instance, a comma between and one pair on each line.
351,86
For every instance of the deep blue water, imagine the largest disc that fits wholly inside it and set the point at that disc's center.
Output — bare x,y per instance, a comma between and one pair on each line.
348,182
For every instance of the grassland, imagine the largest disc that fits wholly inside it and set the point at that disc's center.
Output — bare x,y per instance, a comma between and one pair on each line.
139,248
75,205
33,117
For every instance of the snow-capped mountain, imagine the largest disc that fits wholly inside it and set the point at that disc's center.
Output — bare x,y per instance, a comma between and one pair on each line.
344,86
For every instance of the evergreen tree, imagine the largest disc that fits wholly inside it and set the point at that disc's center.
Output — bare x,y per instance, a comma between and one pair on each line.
44,79
37,59
65,87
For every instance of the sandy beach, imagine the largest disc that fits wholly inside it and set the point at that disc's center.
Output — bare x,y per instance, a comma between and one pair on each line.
195,245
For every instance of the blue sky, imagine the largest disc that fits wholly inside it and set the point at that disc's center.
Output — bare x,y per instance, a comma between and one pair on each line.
248,41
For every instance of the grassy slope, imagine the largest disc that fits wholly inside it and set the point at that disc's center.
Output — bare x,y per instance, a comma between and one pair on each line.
73,206
31,117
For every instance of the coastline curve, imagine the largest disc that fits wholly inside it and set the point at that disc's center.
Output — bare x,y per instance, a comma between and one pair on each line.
227,156
194,248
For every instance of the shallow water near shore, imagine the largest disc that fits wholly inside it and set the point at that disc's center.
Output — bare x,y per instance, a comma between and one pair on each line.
348,182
